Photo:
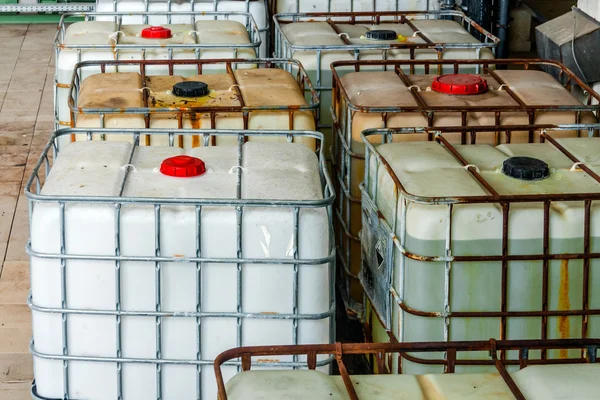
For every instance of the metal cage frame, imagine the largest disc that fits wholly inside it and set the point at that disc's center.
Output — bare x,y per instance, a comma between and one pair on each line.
59,45
285,49
229,65
393,233
381,352
343,111
33,189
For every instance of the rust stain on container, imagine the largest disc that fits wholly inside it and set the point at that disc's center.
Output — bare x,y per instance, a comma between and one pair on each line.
564,325
196,124
267,361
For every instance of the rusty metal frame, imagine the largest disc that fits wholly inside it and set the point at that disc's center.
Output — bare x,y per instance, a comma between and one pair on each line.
284,48
381,351
343,111
229,65
396,230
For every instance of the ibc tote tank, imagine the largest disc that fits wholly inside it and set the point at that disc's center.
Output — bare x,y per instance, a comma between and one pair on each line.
266,98
401,97
466,242
319,39
175,11
147,262
195,38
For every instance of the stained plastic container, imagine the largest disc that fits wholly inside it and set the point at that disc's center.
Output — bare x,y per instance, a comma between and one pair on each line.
156,13
530,379
317,40
401,97
197,37
466,242
266,98
156,259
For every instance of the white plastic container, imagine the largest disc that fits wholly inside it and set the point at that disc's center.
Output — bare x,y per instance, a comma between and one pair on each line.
197,37
239,255
157,8
432,243
238,98
367,99
538,382
317,42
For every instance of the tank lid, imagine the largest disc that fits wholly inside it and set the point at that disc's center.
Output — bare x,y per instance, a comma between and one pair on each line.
459,84
190,89
156,32
381,34
183,166
525,168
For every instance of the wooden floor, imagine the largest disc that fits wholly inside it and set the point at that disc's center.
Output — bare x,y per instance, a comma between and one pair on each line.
26,114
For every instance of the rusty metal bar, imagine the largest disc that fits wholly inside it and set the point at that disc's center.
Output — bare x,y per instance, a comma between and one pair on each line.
344,372
380,349
504,374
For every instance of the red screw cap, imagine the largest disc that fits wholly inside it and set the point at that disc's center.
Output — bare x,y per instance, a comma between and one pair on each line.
460,84
183,166
156,32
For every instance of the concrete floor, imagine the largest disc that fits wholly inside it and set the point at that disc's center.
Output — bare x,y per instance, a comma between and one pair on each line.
26,122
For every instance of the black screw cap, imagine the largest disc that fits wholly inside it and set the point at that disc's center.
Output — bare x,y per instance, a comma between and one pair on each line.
381,35
190,89
525,168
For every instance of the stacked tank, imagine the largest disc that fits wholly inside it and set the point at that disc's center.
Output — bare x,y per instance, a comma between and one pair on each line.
199,36
318,39
396,95
188,208
469,241
197,163
219,94
147,261
155,13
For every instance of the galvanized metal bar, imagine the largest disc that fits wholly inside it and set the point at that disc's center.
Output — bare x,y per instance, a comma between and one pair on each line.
118,300
239,215
296,277
63,298
199,294
158,300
